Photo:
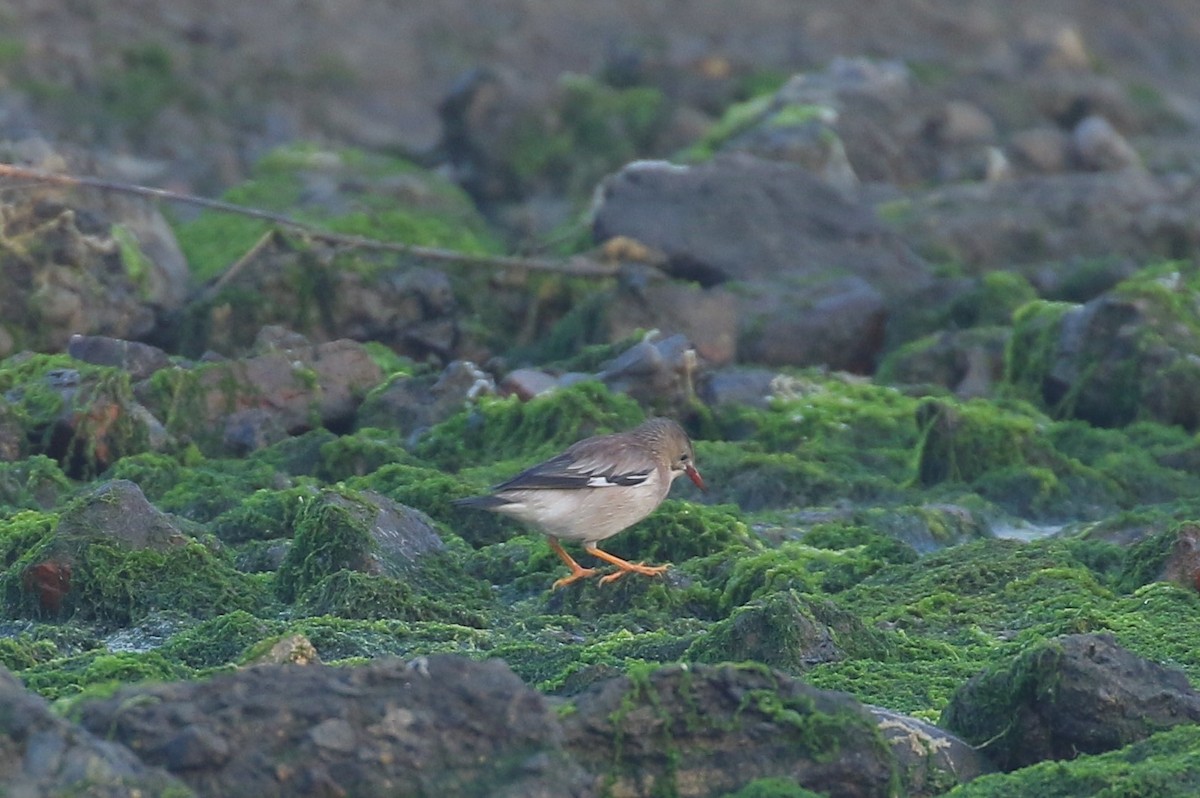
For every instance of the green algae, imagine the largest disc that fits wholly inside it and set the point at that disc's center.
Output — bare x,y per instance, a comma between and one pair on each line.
773,788
99,673
218,641
33,483
678,531
215,240
787,631
344,639
364,452
331,534
24,651
23,532
74,412
359,596
263,515
117,586
811,566
497,429
201,489
1166,765
956,612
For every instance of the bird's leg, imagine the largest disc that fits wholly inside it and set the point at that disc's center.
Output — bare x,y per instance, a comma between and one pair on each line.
626,567
577,571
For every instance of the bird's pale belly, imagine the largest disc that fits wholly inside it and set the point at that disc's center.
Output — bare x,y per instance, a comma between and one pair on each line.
588,518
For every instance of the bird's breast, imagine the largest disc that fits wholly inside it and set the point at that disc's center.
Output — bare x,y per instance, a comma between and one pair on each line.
587,515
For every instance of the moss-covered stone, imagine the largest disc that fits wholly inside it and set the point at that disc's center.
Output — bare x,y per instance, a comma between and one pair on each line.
1167,765
263,515
503,429
772,788
1128,354
79,414
218,641
99,673
214,240
333,533
33,483
433,491
787,631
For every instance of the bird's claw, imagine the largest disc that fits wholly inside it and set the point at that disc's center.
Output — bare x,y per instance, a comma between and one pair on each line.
572,577
636,567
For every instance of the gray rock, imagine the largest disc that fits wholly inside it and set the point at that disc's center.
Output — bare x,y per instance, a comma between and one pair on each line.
41,754
699,731
656,371
840,324
740,218
1041,150
929,757
413,404
1049,220
439,725
1099,147
527,383
1077,694
737,386
138,359
707,317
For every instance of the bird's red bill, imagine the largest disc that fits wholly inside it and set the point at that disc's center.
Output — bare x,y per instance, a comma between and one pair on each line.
694,476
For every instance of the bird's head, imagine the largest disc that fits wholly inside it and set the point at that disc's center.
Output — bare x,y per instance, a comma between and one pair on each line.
673,445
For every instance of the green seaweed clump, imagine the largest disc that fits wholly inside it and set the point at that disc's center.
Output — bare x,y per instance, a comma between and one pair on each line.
99,673
332,534
118,587
1166,765
509,429
219,640
773,788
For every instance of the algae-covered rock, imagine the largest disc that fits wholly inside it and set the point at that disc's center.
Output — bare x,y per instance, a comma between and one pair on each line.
68,269
113,557
44,754
83,416
239,406
328,293
786,631
705,731
1128,354
1163,765
387,728
1079,694
346,530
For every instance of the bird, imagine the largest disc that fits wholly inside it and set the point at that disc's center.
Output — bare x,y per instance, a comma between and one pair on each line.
596,488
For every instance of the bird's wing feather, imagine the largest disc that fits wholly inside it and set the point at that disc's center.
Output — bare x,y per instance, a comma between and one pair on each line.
588,464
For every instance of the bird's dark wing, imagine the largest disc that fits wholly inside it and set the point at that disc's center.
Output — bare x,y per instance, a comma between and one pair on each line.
594,463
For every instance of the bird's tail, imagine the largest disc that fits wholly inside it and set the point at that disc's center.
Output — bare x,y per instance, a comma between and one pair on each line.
481,502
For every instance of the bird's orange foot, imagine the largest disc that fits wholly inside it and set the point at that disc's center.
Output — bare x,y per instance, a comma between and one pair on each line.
575,575
634,567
